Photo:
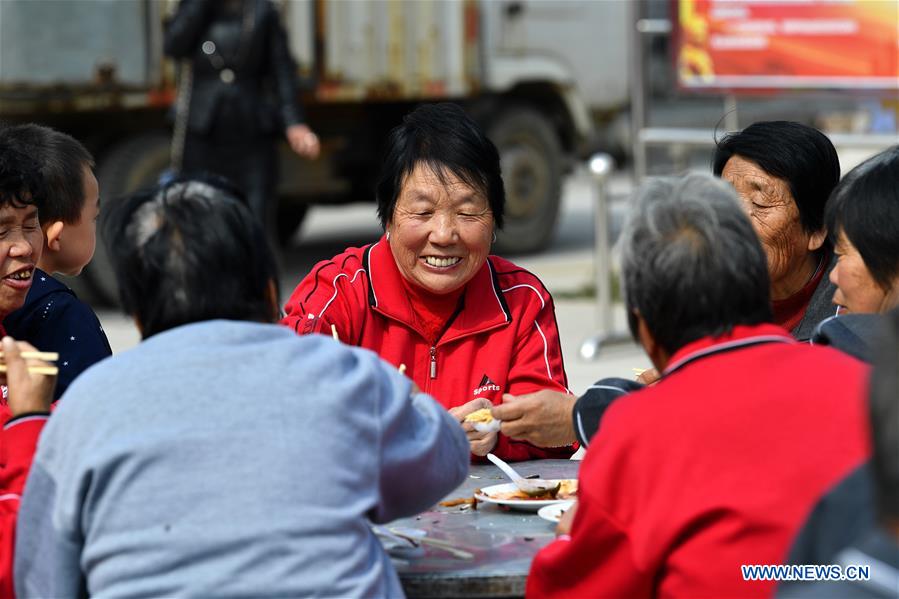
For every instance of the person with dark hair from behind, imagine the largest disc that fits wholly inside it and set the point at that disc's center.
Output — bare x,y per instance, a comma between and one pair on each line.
468,326
877,544
784,173
263,456
717,464
863,218
53,319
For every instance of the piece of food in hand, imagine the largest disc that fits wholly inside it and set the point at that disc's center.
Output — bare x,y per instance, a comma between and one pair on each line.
483,421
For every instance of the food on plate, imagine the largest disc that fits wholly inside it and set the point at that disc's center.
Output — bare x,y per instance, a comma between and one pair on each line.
567,490
483,420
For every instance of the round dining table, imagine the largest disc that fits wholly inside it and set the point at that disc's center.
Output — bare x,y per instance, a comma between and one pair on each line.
490,548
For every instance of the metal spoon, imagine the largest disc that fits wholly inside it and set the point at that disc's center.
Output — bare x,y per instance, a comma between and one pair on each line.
530,487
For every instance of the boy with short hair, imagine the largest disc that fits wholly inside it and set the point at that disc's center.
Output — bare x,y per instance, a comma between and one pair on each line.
53,318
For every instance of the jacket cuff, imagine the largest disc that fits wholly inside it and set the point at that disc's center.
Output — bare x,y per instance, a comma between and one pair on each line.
592,405
26,417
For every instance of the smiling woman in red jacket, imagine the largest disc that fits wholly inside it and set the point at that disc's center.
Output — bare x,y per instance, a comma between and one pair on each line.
467,326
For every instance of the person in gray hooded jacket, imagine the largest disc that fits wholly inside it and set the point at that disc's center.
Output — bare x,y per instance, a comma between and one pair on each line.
224,455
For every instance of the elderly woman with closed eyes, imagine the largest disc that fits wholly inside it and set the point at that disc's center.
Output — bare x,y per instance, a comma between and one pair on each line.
467,326
784,173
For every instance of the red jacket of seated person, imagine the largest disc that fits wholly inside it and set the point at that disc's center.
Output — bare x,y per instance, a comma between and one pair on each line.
504,340
18,442
714,467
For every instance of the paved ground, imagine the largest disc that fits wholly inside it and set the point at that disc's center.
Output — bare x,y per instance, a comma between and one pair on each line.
566,269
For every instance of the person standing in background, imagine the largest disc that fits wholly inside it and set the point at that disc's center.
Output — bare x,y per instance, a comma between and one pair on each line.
238,90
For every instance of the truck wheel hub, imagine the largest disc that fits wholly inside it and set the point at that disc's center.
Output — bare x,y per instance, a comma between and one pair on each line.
525,175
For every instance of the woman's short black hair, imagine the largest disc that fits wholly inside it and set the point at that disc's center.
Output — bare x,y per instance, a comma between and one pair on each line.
800,155
21,183
865,207
443,137
189,251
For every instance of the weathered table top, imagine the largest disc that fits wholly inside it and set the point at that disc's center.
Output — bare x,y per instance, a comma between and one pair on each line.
503,542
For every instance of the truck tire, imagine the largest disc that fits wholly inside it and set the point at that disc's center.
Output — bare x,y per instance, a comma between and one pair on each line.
531,158
126,167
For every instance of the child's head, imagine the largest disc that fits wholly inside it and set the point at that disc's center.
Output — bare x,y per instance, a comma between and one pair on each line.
69,210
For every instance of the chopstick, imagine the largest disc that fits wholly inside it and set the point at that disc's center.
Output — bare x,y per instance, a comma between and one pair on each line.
445,545
47,356
51,370
460,553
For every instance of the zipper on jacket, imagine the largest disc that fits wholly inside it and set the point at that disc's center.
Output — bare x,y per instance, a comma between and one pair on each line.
433,362
446,327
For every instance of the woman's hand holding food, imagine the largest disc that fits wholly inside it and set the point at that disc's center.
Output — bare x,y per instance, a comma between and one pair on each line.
28,392
481,443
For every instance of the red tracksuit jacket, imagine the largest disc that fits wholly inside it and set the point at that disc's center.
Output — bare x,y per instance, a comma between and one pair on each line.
18,442
714,467
505,339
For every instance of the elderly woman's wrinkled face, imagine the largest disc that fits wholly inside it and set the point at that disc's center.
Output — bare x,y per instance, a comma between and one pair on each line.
857,291
775,217
21,242
440,232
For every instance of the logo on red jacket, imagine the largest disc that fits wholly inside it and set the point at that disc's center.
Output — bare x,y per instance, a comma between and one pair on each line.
485,385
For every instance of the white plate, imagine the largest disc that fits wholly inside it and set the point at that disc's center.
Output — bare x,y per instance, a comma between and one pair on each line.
554,512
529,505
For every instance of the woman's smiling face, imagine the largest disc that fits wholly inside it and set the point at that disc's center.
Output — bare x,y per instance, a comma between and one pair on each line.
440,230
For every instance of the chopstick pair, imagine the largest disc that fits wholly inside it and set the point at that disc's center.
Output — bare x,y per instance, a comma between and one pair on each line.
37,355
438,543
334,334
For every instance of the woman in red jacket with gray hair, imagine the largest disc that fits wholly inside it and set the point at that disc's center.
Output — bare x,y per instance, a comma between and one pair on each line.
466,326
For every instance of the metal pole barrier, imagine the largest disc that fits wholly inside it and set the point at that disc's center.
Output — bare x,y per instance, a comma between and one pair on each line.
731,119
637,92
601,166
